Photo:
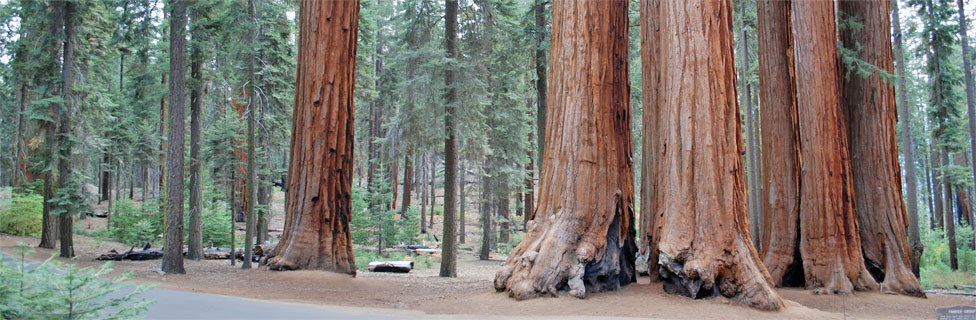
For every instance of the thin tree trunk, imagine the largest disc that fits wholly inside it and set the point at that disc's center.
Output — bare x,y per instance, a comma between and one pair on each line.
317,210
407,178
907,145
949,221
433,190
252,172
65,130
105,186
755,218
651,144
173,250
423,197
231,204
463,201
936,165
582,239
928,198
780,139
963,205
704,144
485,210
529,210
17,172
194,246
504,224
541,83
871,110
970,86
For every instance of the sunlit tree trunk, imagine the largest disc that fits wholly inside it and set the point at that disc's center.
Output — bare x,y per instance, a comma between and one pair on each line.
870,105
698,167
582,238
318,202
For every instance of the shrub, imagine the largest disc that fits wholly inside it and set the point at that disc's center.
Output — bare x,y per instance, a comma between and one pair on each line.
24,216
53,290
216,225
132,226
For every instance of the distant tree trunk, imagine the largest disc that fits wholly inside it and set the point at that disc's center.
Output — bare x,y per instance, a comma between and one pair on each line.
830,243
163,148
928,198
485,210
65,130
252,169
755,210
907,145
970,86
317,210
936,164
704,144
780,141
463,200
110,202
433,190
49,229
407,178
265,193
231,204
504,225
871,110
423,194
449,241
541,83
949,220
194,246
963,205
529,190
583,237
17,169
173,251
105,186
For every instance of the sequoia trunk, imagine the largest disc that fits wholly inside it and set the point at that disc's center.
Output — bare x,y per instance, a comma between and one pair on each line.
698,162
582,238
870,105
830,245
780,134
318,203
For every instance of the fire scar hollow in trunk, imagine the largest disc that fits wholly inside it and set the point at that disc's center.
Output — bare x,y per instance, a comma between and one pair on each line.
582,236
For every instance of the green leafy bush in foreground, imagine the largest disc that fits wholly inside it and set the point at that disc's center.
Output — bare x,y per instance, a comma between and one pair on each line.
24,215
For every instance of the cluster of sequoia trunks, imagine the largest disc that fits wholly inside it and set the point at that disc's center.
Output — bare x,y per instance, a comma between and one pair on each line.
832,197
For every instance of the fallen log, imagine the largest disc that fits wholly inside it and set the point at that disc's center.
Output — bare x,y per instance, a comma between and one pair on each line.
955,293
391,266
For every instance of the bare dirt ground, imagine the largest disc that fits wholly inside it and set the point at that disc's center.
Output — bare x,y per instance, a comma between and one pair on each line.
471,293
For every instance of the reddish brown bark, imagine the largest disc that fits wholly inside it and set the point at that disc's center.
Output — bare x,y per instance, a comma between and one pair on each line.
318,204
582,237
699,168
652,143
870,105
780,131
829,241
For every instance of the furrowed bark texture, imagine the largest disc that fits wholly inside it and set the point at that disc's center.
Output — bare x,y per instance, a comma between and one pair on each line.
870,105
652,144
64,143
173,250
829,241
582,237
318,203
49,229
700,166
780,131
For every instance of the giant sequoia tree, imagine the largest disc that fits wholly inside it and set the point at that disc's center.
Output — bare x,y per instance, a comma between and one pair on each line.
870,106
318,204
818,242
582,236
697,173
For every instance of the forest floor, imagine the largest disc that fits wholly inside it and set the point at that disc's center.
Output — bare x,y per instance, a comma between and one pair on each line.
471,293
